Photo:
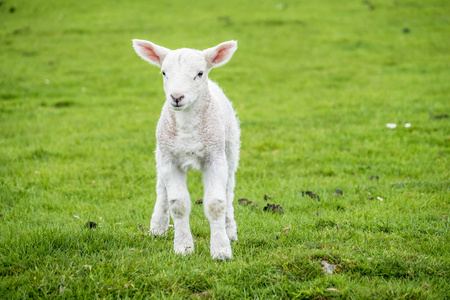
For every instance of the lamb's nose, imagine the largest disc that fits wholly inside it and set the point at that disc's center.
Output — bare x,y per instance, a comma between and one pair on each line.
177,97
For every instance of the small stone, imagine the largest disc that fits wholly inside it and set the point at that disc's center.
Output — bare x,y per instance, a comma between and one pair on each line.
327,268
391,125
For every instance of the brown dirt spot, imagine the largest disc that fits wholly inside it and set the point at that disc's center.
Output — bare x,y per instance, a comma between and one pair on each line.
274,208
311,195
90,225
244,201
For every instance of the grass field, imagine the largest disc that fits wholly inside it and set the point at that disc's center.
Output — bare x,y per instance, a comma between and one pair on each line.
314,84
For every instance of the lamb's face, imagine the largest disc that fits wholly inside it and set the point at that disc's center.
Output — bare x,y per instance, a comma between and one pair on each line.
185,71
185,76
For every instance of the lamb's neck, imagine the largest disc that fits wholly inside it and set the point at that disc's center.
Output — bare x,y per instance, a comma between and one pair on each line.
190,118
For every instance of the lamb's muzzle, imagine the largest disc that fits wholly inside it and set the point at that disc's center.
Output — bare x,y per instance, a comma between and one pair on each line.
177,99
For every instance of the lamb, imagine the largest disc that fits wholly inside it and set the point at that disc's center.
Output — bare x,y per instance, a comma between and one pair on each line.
198,129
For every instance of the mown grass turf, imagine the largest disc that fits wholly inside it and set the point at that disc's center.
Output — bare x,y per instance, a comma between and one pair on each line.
314,83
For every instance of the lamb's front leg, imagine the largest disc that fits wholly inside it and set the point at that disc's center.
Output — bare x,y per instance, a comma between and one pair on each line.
215,205
160,217
180,207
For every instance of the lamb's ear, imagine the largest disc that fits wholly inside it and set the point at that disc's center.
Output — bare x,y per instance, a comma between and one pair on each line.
221,54
152,53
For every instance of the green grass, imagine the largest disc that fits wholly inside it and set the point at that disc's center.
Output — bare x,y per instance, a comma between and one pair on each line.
314,84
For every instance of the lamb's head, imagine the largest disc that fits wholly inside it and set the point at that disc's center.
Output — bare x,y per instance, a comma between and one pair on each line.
185,71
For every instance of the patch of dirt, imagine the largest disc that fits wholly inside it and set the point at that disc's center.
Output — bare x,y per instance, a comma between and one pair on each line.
439,117
244,201
63,104
340,208
274,208
21,30
311,195
267,197
204,294
369,5
29,53
338,192
90,225
143,229
372,177
254,205
199,201
226,20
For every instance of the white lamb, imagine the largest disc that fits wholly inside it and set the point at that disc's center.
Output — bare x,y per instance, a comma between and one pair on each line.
198,129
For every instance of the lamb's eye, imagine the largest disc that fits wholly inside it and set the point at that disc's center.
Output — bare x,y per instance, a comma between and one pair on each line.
200,74
164,73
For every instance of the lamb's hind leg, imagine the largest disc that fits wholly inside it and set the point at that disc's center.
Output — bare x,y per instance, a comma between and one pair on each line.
230,223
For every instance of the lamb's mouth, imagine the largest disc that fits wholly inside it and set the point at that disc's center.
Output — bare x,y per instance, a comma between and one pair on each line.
177,106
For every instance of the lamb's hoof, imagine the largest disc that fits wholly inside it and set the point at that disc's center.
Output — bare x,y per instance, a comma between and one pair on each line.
183,250
222,260
232,234
158,232
223,254
232,237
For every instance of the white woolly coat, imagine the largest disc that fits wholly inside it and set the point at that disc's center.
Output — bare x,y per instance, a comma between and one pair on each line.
210,129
